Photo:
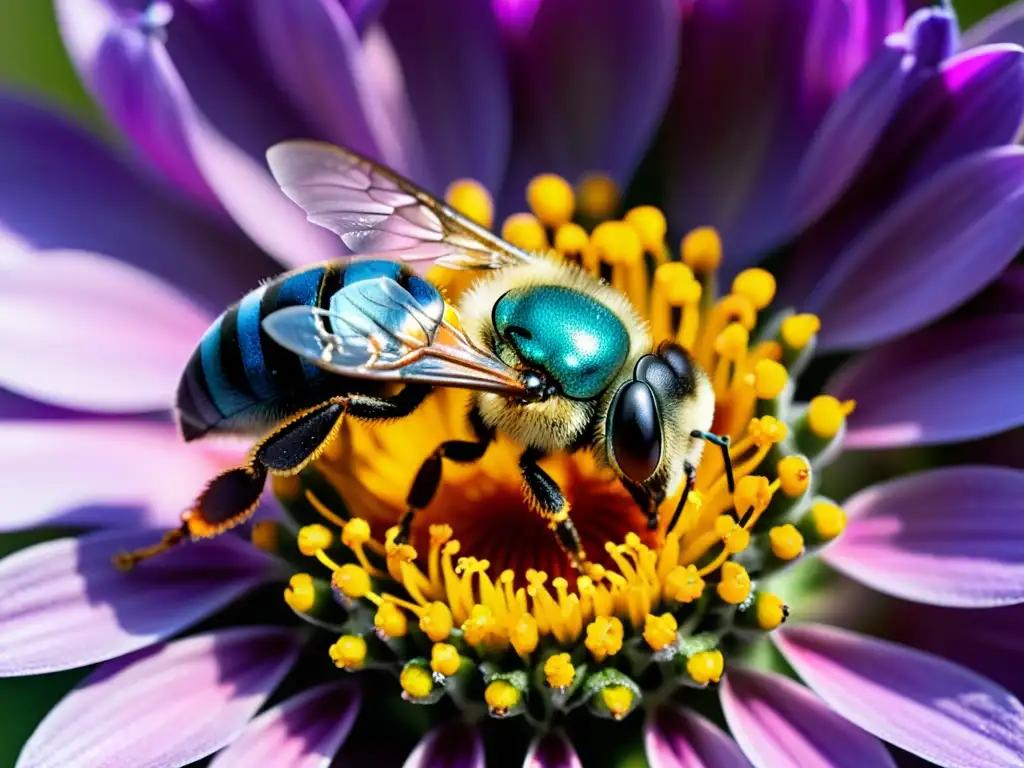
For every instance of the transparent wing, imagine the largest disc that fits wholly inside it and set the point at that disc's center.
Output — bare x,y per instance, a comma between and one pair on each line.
375,329
376,211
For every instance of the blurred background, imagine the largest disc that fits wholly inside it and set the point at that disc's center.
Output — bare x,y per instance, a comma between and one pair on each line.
32,59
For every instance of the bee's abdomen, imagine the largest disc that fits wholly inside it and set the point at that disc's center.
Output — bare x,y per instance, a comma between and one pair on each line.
237,372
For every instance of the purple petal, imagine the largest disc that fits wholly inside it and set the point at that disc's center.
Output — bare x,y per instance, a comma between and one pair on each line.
363,13
933,35
871,22
86,331
678,738
1004,26
166,706
919,702
946,537
552,750
933,250
454,745
592,78
76,473
303,732
72,192
453,60
903,389
779,722
64,605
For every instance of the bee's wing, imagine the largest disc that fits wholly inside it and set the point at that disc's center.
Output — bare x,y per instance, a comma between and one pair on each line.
376,211
376,329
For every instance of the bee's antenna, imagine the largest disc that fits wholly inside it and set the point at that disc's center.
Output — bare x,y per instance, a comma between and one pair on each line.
722,441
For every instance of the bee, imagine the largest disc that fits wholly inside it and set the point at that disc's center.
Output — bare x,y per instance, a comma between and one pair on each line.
556,358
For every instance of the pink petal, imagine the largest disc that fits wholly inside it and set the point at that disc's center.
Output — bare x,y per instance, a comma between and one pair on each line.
64,605
903,389
166,706
779,722
453,745
919,702
85,331
102,473
303,732
552,750
678,738
945,537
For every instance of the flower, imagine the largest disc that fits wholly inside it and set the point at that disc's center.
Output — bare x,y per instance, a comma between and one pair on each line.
876,139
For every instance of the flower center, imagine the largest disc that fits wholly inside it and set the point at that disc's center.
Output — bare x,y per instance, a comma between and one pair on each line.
483,577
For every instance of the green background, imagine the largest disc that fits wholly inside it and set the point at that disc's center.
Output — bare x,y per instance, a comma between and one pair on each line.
32,59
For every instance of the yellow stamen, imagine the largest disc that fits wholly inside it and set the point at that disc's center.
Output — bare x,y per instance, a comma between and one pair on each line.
734,587
300,594
390,621
416,681
684,584
444,659
604,637
314,537
525,231
771,611
798,330
551,199
650,224
559,671
794,474
571,241
828,519
472,200
501,697
351,580
660,631
349,652
825,415
705,667
756,284
436,622
618,699
702,250
786,542
482,628
597,196
770,379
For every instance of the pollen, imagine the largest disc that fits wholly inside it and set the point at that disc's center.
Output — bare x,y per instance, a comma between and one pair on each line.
734,587
416,682
650,224
313,538
472,200
351,580
355,533
552,200
436,622
828,519
525,231
758,285
559,671
444,659
702,250
660,631
771,611
826,415
705,667
798,330
618,699
684,584
300,594
349,652
786,542
501,697
604,637
794,474
597,196
770,379
390,621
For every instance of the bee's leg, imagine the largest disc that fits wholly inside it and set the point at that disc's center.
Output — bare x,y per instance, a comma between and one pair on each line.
722,441
647,498
690,472
550,502
428,478
231,498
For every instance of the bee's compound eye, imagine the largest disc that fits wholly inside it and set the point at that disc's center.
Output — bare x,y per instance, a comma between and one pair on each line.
679,360
634,431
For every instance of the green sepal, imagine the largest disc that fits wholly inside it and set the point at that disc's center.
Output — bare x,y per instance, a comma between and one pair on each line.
607,678
517,678
558,698
820,451
360,619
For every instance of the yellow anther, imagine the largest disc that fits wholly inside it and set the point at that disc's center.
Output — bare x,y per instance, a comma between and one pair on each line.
770,378
794,473
618,699
524,634
798,330
551,199
440,534
702,249
390,620
771,611
617,242
677,281
313,538
481,625
355,533
349,652
597,196
732,341
660,631
571,240
828,519
767,431
756,284
525,231
416,681
825,415
604,637
436,622
501,697
734,587
734,538
472,200
752,491
705,667
300,594
351,580
649,223
786,542
444,659
559,671
264,535
684,584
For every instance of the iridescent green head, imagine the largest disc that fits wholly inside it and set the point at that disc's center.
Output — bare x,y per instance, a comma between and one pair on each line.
574,339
